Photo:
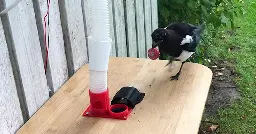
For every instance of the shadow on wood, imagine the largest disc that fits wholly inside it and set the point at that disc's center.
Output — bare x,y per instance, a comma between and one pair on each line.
168,107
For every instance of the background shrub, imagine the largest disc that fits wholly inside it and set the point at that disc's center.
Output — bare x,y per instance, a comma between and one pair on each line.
215,13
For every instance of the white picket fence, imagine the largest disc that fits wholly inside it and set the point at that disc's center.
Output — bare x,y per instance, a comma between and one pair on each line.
24,87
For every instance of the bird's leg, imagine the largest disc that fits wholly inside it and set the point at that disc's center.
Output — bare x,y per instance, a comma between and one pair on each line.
170,60
176,77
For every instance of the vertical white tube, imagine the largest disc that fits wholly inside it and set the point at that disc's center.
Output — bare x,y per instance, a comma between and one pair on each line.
99,46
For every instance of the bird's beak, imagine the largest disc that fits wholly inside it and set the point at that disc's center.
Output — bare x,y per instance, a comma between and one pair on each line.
155,44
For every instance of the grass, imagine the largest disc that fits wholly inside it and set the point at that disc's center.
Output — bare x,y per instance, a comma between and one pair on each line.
240,117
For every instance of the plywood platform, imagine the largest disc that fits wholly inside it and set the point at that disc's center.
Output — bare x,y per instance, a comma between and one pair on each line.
169,107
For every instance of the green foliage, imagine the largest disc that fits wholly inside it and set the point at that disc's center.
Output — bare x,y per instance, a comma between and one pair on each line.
240,117
216,14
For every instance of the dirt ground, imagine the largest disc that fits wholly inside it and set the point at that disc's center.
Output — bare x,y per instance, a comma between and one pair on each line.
222,93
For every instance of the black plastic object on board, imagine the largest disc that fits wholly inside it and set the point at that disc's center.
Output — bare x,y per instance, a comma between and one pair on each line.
129,96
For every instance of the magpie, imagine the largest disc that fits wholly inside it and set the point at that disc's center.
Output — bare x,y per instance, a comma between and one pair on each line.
178,40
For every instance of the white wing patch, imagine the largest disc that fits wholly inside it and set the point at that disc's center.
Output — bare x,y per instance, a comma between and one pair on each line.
184,55
187,39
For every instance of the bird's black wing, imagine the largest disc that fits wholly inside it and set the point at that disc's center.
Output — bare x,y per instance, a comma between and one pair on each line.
182,29
171,45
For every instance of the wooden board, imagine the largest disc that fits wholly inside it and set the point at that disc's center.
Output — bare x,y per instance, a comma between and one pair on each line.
74,34
57,59
154,14
169,107
119,27
140,21
112,30
148,24
11,116
26,47
131,28
87,19
86,7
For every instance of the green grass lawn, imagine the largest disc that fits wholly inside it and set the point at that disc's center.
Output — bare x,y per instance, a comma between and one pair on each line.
240,117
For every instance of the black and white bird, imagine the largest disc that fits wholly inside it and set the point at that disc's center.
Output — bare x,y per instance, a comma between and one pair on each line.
178,40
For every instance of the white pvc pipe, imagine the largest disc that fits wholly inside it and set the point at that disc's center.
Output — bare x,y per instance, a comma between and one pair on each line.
99,46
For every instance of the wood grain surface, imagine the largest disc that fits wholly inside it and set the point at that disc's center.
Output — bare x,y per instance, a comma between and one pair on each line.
169,107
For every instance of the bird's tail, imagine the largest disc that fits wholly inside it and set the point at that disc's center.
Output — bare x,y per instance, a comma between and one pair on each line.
199,31
200,28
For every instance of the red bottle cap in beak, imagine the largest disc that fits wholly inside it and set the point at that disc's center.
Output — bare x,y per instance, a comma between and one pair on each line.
153,53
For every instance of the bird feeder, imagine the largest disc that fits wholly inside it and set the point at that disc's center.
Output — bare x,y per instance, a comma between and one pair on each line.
99,51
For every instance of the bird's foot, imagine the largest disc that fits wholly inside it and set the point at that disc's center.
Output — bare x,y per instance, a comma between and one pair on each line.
175,77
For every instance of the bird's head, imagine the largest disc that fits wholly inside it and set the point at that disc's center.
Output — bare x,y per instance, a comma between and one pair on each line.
158,36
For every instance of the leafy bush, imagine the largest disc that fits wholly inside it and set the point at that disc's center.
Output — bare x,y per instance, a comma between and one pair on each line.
216,14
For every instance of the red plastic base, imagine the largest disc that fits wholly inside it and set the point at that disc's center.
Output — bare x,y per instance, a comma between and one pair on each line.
100,107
